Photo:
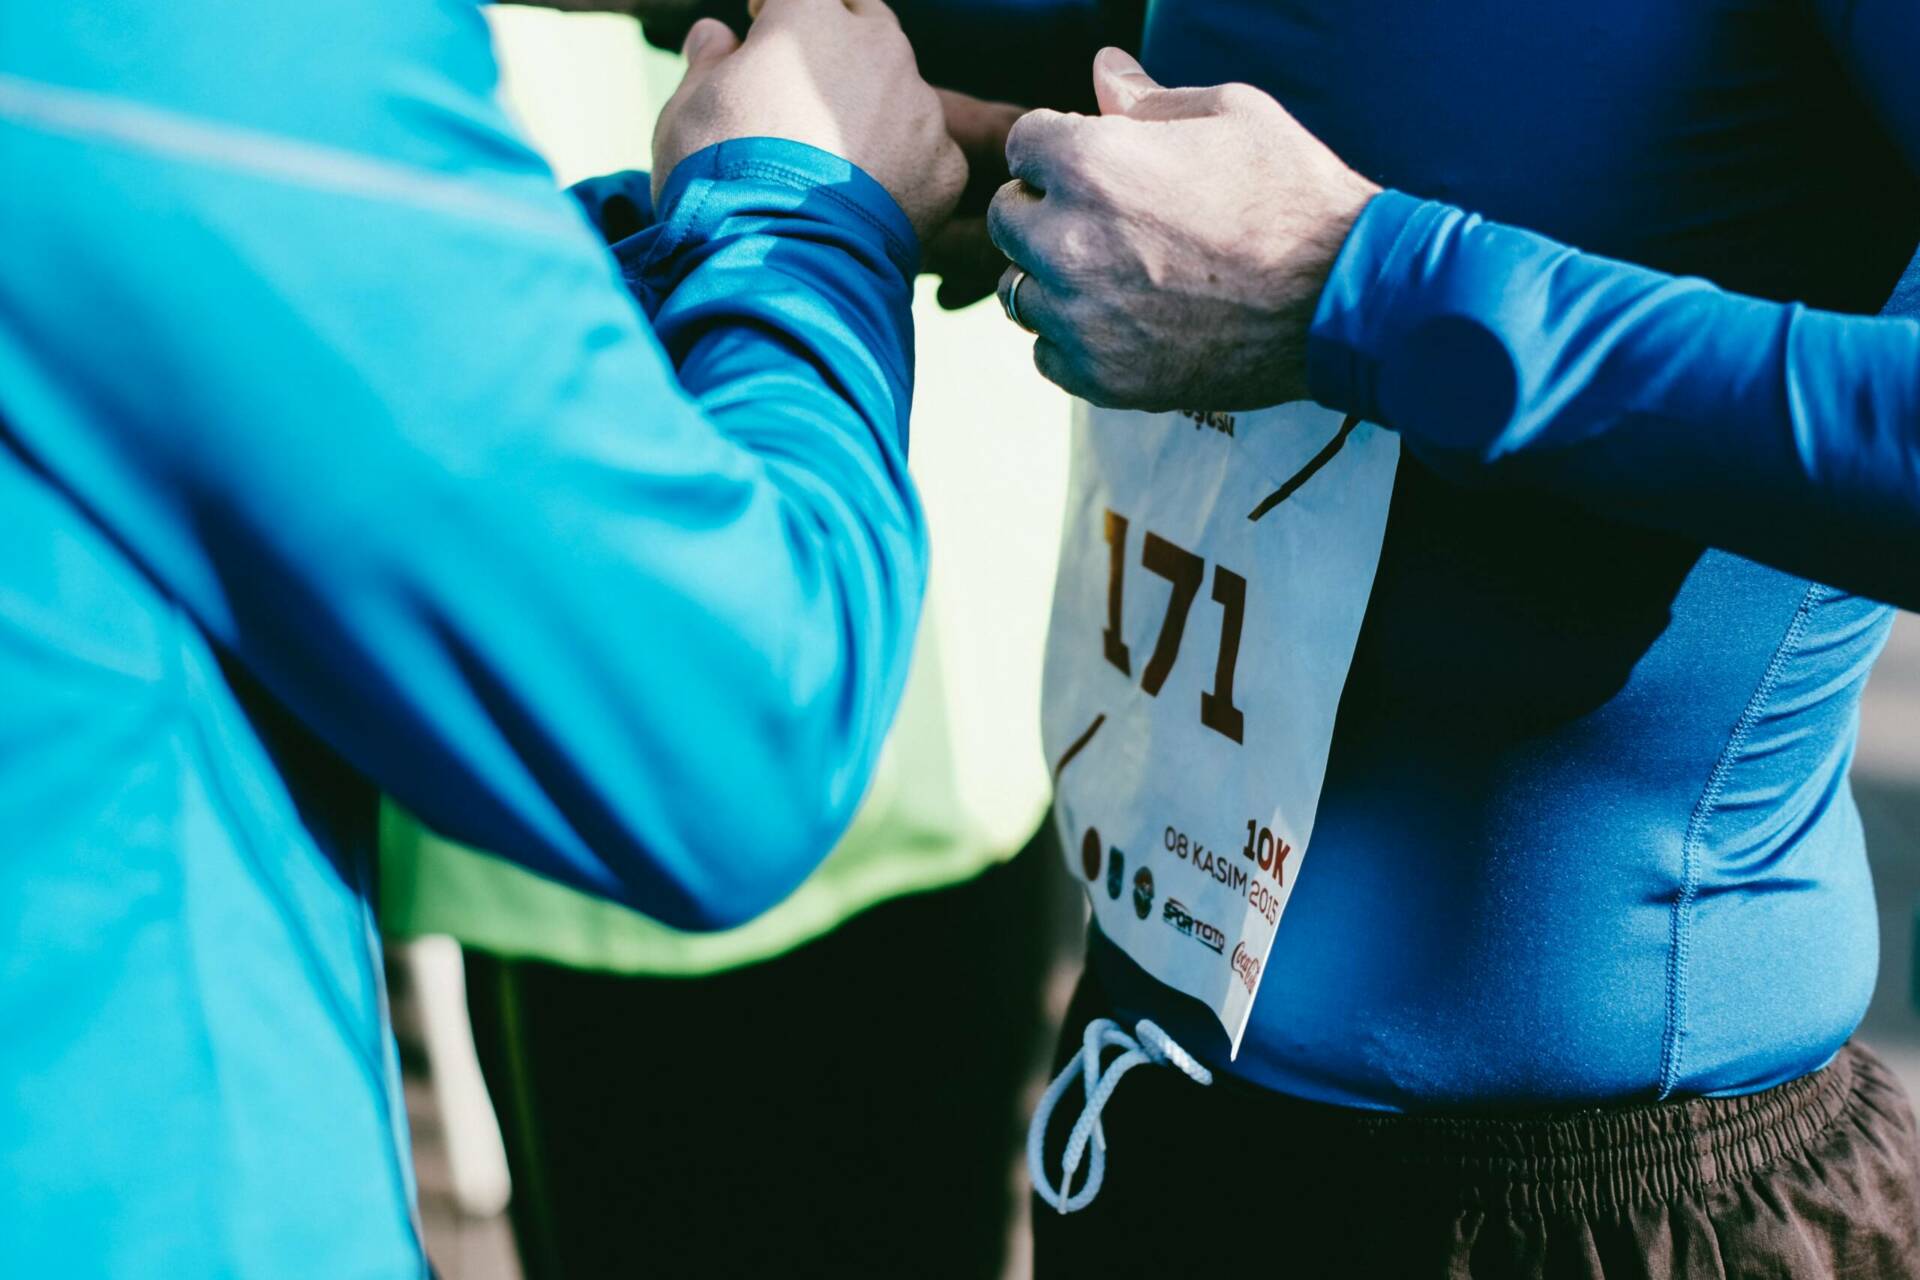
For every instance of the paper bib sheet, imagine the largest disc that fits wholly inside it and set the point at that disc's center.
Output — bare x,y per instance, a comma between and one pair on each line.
1213,577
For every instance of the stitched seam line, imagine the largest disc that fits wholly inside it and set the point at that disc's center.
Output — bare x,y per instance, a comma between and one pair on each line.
1680,941
205,144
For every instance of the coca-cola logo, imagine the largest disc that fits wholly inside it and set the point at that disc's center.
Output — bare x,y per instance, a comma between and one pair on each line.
1247,966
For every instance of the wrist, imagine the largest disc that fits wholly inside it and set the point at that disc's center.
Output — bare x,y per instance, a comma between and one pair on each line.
1300,261
1357,319
1327,238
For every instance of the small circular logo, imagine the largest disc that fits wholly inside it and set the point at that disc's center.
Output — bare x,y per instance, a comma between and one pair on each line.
1090,847
1142,892
1116,873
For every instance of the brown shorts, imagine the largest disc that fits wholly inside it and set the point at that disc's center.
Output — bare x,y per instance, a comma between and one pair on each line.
1819,1177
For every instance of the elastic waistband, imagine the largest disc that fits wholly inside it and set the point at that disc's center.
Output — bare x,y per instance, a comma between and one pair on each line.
1574,1161
1593,1158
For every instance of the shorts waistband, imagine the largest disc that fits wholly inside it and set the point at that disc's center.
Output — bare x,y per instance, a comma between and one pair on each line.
1600,1157
1571,1161
1551,1161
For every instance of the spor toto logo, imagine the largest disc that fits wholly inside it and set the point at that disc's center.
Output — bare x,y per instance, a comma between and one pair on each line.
1142,892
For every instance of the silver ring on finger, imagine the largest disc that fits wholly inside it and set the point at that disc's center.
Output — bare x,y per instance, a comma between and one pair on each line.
1012,303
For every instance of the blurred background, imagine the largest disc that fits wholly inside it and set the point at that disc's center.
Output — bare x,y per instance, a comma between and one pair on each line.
989,450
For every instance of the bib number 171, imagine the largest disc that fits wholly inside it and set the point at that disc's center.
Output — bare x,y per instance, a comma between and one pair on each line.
1184,572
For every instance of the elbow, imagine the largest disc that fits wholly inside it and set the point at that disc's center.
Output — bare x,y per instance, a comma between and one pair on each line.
785,792
790,731
746,848
1452,387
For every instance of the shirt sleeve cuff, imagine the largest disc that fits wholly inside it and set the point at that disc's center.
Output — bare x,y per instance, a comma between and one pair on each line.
776,176
619,204
1364,309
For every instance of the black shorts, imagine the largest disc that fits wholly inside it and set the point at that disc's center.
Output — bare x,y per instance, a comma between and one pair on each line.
1819,1177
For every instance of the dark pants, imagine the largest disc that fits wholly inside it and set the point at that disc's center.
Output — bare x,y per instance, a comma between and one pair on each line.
1816,1179
852,1108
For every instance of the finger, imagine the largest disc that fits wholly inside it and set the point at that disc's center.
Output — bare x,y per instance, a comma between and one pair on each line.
804,11
1119,81
961,250
708,41
1037,142
1123,88
978,125
1028,302
1013,224
957,293
758,9
1057,367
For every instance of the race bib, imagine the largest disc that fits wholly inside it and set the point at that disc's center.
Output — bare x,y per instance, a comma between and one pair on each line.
1213,577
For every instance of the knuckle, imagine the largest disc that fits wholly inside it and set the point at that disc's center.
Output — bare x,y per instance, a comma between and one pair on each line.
1033,131
1077,248
1071,247
1101,154
950,169
1241,97
1001,216
1047,358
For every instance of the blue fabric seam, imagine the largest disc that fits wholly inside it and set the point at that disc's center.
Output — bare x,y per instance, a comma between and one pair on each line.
202,145
1681,919
674,228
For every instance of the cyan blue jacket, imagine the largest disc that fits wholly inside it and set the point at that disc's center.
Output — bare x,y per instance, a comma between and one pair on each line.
1586,832
338,453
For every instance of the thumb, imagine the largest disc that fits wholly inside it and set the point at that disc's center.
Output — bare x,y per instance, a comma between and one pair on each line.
708,42
1123,88
1120,82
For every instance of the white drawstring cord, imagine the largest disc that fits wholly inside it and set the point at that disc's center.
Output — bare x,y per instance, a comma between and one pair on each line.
1152,1045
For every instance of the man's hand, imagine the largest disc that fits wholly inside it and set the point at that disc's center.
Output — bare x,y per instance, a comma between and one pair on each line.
836,74
963,255
1177,243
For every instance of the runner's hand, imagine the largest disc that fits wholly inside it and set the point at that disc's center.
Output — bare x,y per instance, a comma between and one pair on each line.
837,75
1176,243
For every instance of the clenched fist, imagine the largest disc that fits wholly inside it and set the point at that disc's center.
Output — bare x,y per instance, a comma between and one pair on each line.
836,74
1175,245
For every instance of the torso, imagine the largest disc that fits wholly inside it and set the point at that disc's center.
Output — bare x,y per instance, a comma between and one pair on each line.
1585,832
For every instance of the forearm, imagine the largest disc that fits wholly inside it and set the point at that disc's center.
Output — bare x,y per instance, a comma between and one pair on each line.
1786,435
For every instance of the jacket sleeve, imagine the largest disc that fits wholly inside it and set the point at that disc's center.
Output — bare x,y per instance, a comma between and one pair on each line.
1788,435
290,310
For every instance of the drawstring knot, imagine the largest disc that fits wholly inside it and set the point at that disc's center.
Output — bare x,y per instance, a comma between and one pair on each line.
1148,1044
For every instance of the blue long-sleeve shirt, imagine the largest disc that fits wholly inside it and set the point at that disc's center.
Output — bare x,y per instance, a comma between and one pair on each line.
336,450
1789,435
1586,832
